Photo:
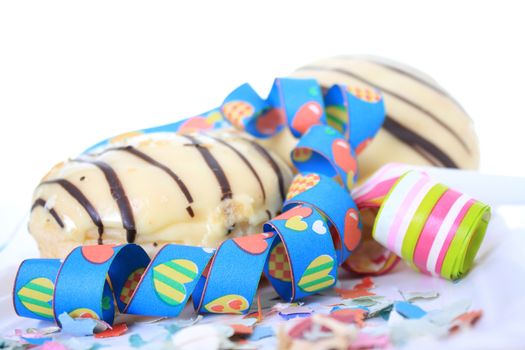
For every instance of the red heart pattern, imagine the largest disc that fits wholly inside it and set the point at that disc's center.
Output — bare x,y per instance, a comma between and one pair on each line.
253,244
343,156
352,235
301,155
228,304
301,211
235,304
268,122
97,254
217,308
194,124
307,115
362,146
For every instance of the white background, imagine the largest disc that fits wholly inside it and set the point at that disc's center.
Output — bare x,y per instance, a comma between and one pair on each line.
72,73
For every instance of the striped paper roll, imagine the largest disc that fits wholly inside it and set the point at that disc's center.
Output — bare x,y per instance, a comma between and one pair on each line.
435,229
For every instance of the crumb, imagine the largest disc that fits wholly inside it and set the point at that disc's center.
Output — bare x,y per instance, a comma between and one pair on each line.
230,229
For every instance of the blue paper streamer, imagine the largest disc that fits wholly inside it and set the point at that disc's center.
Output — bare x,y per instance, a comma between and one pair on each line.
299,251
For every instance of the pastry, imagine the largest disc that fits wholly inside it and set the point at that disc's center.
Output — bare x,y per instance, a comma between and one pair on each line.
194,189
424,125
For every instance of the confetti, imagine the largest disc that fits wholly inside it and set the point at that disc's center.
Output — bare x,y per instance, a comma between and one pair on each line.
361,289
249,322
188,322
354,316
78,326
43,331
116,331
382,308
36,340
100,326
53,345
8,344
76,344
412,296
365,301
291,312
352,293
261,332
259,309
365,283
136,341
318,332
409,310
300,309
240,329
37,336
292,316
335,308
466,320
300,327
447,314
366,341
175,326
405,330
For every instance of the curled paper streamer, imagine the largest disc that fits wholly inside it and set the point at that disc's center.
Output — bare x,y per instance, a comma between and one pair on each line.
299,251
435,229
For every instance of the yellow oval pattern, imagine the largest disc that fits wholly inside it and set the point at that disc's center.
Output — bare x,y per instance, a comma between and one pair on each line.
169,279
84,312
228,304
317,276
37,295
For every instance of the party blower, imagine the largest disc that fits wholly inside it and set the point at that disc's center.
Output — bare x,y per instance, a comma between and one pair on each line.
435,229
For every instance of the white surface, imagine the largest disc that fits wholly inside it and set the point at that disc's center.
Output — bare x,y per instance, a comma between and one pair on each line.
495,285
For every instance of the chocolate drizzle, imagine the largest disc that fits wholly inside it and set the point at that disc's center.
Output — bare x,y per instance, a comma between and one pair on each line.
412,76
395,95
42,203
171,173
214,165
82,200
262,151
119,195
401,71
411,138
245,161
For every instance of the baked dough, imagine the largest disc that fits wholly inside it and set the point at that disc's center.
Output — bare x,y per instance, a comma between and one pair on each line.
194,189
